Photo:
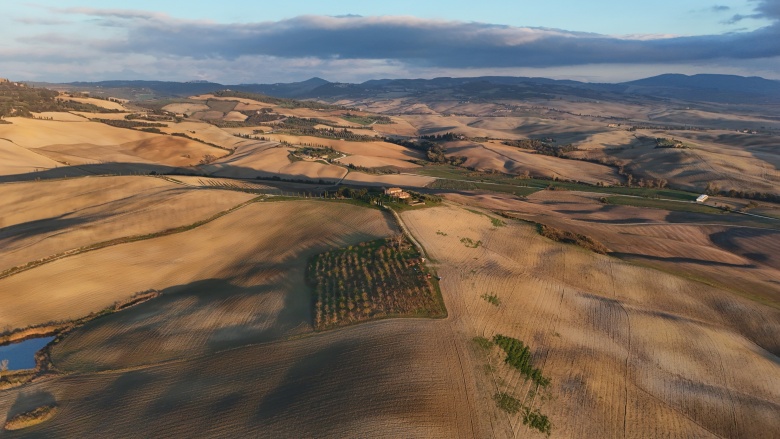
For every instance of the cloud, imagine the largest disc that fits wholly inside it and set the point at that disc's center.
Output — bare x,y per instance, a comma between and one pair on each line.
38,21
764,9
423,42
352,47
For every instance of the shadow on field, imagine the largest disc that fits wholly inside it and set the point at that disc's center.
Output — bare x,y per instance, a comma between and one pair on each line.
26,401
191,320
679,260
734,240
52,225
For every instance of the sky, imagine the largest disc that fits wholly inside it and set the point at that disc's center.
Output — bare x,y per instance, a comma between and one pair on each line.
234,42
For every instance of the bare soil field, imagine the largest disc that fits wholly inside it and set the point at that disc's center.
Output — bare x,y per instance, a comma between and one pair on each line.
47,218
308,387
630,351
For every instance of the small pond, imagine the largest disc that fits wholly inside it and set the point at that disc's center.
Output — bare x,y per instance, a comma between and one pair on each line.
22,355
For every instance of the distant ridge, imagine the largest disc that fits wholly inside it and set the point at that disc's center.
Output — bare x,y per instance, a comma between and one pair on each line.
731,83
695,88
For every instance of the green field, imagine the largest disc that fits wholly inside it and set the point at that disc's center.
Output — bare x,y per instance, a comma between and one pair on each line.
663,204
455,177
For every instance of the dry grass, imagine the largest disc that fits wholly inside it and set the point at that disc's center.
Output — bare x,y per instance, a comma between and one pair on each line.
31,418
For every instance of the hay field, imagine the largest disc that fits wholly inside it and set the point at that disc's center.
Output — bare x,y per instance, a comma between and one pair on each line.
102,103
92,142
33,133
510,160
631,351
368,149
219,250
206,132
185,108
68,117
730,160
15,160
47,218
267,159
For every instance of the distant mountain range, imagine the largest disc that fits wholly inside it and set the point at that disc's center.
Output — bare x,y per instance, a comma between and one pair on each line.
697,88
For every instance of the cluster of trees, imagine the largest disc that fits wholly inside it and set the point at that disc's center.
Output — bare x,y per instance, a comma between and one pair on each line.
131,124
286,103
749,195
306,127
542,147
518,355
434,152
201,141
446,137
371,280
367,120
20,100
568,237
663,142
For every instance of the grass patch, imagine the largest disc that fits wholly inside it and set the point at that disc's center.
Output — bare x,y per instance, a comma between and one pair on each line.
567,237
491,299
507,402
33,417
366,120
662,204
371,280
518,356
470,243
537,421
495,221
497,182
482,342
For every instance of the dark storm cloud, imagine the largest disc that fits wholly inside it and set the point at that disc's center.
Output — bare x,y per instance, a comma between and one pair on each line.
425,42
